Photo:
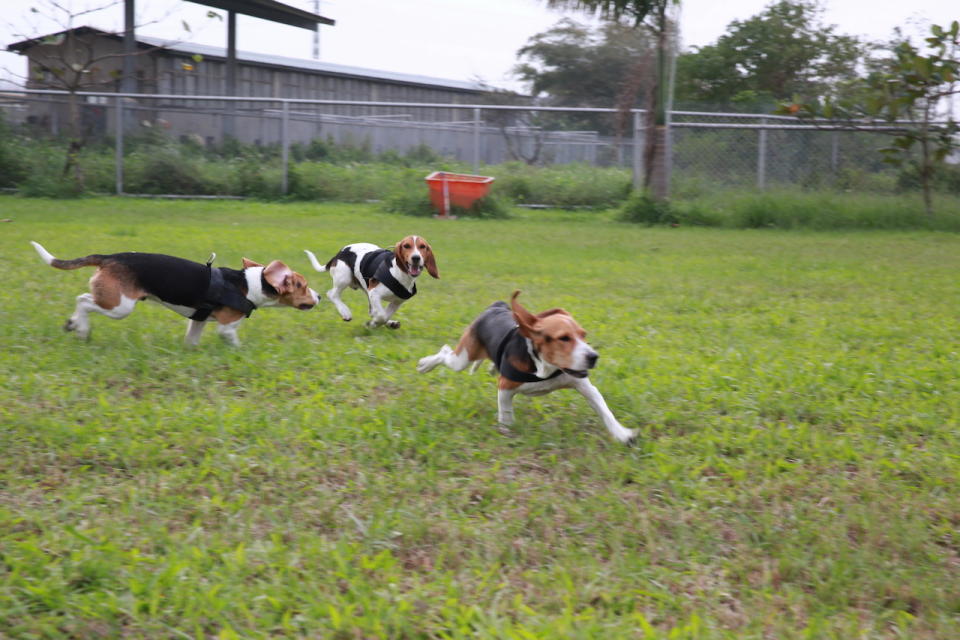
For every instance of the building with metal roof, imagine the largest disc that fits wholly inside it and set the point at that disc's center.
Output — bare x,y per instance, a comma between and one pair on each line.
189,69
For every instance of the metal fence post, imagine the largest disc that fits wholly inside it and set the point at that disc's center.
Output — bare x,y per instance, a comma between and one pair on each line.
638,141
476,140
762,157
118,151
285,146
835,153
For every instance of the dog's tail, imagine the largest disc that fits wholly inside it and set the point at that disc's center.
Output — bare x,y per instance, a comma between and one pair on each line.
89,261
316,263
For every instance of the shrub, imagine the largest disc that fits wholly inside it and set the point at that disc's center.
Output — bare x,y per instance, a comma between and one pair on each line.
166,171
13,169
249,178
574,185
413,203
49,184
641,208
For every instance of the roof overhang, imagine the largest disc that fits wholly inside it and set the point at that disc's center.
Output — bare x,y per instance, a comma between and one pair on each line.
270,10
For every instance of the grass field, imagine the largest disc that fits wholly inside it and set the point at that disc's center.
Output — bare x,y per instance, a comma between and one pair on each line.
798,396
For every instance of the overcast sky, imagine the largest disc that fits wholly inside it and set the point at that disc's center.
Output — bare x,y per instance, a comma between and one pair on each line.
456,39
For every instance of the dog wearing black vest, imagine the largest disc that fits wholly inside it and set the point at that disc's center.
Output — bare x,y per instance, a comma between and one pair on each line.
385,275
200,292
534,354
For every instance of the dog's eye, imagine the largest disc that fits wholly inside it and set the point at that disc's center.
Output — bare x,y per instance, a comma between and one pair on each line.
565,338
406,246
422,246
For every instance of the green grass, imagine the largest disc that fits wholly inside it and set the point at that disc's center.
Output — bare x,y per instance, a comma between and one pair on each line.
817,210
798,395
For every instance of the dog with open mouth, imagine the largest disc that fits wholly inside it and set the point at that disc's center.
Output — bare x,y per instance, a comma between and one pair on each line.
385,275
534,354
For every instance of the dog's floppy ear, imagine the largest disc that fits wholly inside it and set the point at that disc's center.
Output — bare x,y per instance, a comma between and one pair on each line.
247,263
430,262
552,312
398,255
278,275
526,321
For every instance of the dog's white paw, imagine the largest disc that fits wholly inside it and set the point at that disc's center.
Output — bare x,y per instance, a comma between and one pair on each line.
82,329
393,324
429,363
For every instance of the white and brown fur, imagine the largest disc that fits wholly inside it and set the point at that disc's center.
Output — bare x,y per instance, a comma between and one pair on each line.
411,256
118,285
553,341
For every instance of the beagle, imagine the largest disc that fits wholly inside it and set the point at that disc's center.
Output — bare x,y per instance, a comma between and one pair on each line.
386,275
199,292
534,355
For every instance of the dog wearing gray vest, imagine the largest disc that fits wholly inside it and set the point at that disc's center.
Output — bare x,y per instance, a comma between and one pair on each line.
534,354
385,275
200,292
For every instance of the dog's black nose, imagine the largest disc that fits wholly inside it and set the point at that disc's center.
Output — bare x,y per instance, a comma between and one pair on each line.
592,359
415,258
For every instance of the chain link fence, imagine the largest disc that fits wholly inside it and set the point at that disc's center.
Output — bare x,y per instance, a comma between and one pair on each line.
766,151
707,149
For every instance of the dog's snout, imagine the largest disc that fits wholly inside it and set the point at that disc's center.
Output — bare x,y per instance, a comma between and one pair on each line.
306,306
592,359
415,258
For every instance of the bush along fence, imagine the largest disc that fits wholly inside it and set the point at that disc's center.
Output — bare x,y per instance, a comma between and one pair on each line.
719,150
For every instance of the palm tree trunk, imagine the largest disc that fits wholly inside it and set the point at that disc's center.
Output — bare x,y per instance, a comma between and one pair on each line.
75,143
657,180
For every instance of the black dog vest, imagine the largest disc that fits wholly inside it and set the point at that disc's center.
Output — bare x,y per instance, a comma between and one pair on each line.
375,265
222,293
189,284
497,331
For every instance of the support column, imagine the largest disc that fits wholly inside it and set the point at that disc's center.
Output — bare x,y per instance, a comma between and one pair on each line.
762,157
118,152
230,76
128,78
476,140
285,147
638,145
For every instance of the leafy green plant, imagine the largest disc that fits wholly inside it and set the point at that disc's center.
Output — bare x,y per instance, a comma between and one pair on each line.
906,96
165,170
640,207
415,203
12,169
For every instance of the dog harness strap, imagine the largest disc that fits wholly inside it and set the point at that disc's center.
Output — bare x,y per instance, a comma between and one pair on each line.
386,278
509,371
370,262
221,293
375,265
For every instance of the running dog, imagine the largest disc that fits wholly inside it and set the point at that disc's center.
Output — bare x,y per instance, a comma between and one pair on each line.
199,292
386,275
534,355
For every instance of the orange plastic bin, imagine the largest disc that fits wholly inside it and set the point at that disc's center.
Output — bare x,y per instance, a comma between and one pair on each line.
460,189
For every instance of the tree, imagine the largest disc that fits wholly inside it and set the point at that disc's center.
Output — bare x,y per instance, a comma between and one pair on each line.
70,60
517,126
577,66
781,52
909,98
651,15
572,65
